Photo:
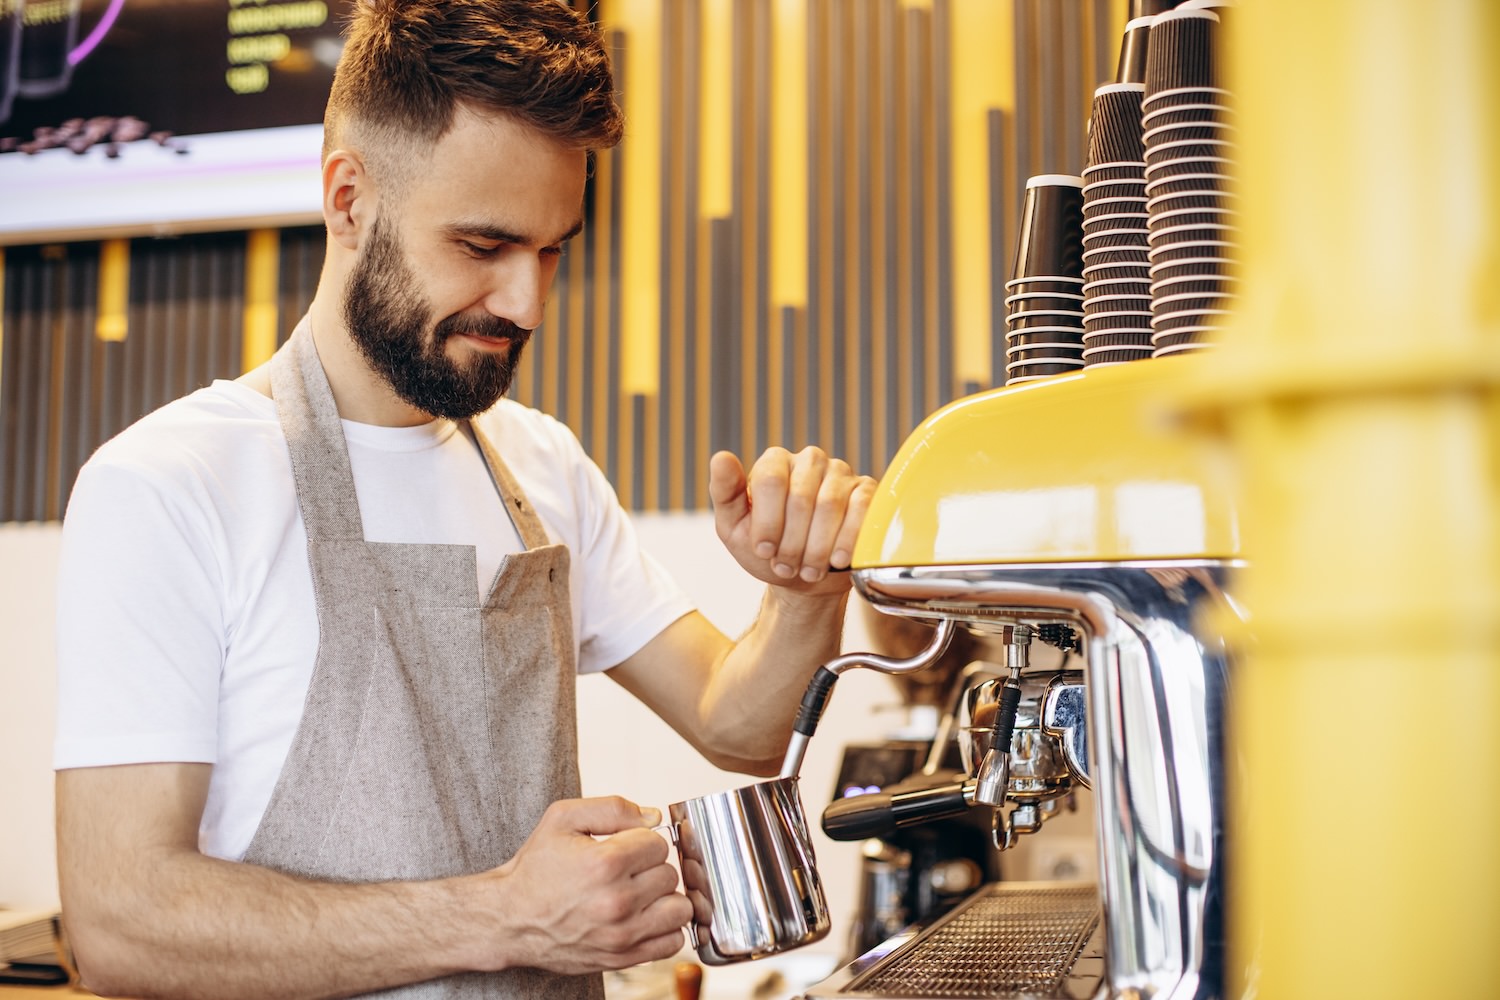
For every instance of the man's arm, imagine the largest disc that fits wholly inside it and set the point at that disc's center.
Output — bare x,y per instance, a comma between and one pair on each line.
791,522
149,916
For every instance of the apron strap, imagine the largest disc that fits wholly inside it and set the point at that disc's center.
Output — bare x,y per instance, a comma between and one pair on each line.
528,524
315,438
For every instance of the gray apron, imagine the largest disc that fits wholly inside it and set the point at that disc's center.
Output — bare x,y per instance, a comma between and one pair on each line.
436,729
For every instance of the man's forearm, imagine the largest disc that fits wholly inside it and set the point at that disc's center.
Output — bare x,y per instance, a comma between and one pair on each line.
756,688
186,925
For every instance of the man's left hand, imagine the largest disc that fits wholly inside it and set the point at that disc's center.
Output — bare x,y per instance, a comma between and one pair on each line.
792,518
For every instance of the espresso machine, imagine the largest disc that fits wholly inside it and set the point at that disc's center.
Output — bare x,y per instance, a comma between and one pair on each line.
1065,515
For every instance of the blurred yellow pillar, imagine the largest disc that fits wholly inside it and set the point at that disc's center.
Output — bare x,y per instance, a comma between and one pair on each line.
1361,383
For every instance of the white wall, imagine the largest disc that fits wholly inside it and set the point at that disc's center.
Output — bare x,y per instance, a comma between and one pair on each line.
624,749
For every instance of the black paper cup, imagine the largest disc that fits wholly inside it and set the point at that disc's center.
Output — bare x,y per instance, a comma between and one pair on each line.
1194,200
1043,317
1116,172
1117,356
1120,319
1129,285
1051,222
1046,335
1116,339
1169,222
1177,321
1183,51
1131,67
1023,371
1131,257
1093,208
1195,284
1206,167
1051,301
1197,267
1186,113
1115,124
1045,352
1183,97
1164,135
1197,183
1051,283
1103,190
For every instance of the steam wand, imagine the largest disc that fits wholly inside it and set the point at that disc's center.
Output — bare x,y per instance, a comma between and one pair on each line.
815,698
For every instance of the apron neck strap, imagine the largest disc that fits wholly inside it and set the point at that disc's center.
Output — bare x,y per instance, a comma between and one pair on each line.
315,438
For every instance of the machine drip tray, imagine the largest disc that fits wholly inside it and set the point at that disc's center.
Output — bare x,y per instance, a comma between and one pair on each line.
1033,940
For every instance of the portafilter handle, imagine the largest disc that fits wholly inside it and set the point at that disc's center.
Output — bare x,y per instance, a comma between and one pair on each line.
815,698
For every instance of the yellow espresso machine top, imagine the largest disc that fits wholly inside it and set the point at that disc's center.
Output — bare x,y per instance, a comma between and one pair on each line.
1091,467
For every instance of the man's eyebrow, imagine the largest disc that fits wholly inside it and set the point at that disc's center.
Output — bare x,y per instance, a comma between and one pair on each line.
500,234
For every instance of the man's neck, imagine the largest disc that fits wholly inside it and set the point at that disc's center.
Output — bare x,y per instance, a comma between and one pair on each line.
359,394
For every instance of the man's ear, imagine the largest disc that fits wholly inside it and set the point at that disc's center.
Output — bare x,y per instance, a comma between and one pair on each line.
348,198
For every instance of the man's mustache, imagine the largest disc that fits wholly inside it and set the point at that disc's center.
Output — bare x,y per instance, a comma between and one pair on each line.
483,326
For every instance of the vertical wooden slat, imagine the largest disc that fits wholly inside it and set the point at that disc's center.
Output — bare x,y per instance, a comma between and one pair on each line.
942,178
817,403
760,403
616,464
999,198
838,329
736,339
692,443
1075,66
669,427
919,260
886,410
262,268
862,201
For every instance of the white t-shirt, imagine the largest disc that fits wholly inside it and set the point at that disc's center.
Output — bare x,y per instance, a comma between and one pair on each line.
186,625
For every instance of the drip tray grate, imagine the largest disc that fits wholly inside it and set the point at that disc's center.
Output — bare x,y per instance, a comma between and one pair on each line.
1007,940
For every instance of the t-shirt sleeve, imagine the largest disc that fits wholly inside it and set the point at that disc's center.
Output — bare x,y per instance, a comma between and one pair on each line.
628,597
139,627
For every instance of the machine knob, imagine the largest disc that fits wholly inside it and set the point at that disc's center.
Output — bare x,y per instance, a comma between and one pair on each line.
689,979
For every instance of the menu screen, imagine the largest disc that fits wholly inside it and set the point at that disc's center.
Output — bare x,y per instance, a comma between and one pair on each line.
168,91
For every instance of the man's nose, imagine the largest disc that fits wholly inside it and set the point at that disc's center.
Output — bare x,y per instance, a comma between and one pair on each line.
520,291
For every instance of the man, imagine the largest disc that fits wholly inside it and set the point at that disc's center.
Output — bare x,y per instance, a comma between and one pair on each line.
319,626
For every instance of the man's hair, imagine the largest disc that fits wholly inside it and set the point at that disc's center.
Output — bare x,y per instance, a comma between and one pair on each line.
408,64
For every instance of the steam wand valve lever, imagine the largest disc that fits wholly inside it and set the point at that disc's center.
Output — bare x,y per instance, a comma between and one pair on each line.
993,774
815,698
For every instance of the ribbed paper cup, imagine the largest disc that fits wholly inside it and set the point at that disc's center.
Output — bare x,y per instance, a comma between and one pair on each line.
1115,124
1049,241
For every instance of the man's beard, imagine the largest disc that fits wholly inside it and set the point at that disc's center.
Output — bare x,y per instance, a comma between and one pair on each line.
388,317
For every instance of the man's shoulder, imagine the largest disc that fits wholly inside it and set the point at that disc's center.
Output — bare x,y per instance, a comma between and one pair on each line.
224,423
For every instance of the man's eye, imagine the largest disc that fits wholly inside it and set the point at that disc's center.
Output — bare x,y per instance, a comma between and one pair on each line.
556,251
477,250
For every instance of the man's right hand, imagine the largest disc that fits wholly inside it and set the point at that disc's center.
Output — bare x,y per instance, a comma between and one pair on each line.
590,890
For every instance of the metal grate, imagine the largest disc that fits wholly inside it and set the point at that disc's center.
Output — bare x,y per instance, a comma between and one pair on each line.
1002,943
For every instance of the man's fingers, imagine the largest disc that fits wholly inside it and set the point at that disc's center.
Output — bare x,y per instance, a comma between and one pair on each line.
728,491
599,816
786,498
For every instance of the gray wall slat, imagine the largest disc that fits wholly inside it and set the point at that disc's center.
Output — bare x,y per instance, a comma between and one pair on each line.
1026,66
761,75
1071,86
919,96
671,250
817,117
860,454
887,404
838,378
1000,196
723,362
692,444
943,182
616,210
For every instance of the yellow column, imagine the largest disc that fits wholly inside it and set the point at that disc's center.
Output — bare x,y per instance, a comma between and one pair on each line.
983,47
1360,383
640,211
262,279
788,208
111,322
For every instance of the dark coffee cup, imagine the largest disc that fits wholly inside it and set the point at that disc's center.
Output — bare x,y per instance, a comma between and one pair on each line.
1049,242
